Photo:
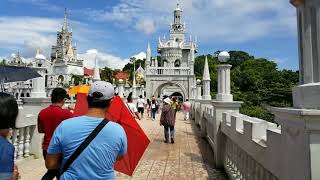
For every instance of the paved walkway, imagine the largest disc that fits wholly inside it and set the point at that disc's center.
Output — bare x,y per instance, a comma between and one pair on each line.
189,158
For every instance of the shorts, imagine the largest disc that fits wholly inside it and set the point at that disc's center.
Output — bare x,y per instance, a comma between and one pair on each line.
140,110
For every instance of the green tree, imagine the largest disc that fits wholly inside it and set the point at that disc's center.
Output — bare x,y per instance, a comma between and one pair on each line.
3,62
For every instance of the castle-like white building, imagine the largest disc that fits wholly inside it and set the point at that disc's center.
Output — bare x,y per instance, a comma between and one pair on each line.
56,71
174,73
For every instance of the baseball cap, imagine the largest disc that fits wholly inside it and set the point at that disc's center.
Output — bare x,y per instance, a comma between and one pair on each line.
101,90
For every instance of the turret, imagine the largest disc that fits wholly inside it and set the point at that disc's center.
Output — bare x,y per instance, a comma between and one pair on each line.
148,57
206,81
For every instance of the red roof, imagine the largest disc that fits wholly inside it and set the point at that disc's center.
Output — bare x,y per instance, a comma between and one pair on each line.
121,75
88,72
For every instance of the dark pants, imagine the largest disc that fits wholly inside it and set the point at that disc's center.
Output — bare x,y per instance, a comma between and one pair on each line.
166,132
50,173
153,113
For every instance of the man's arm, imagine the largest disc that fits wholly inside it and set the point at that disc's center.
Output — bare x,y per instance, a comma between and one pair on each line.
40,128
53,161
54,156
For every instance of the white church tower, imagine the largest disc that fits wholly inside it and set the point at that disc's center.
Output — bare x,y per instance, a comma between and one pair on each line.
175,73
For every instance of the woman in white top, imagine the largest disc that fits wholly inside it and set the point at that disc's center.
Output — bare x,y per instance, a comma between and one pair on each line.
132,108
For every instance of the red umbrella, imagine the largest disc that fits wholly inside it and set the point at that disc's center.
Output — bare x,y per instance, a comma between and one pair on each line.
137,139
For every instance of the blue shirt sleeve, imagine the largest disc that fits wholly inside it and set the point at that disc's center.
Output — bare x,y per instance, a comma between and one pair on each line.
124,144
55,146
6,159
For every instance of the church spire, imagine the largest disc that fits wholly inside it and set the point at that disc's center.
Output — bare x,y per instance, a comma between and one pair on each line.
206,73
65,21
148,54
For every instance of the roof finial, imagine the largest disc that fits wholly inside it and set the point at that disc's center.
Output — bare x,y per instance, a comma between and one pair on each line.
65,21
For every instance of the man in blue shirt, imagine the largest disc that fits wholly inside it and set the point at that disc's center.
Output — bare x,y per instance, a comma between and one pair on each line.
98,158
8,115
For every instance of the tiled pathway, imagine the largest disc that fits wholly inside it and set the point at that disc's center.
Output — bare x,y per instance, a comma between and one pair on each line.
189,158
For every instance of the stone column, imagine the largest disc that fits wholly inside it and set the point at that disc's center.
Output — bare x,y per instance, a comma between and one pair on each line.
38,84
307,95
224,90
300,125
142,90
134,88
199,89
121,88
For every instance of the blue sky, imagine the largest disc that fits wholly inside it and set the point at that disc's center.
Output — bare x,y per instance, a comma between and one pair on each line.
118,29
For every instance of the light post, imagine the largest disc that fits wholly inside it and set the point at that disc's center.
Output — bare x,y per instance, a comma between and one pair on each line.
134,86
224,90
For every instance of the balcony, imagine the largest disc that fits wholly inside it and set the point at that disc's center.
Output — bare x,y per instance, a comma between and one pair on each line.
168,71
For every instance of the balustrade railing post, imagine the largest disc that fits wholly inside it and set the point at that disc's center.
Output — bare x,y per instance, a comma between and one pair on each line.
15,142
20,143
27,141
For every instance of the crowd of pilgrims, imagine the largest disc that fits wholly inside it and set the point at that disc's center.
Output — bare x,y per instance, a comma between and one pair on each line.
65,136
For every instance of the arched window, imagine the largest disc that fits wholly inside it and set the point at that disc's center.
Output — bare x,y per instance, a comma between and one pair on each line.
28,95
60,79
177,63
165,63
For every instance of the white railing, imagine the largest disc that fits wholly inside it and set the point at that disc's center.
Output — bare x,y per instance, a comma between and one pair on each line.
168,71
251,147
248,147
21,140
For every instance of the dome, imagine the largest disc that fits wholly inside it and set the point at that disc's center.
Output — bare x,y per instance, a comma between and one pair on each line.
40,56
223,56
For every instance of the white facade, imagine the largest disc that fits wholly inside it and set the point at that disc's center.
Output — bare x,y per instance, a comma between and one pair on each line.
56,72
175,69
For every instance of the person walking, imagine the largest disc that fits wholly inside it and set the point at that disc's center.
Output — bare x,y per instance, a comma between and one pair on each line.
158,104
148,104
49,119
186,107
167,119
8,116
175,106
132,108
87,147
153,109
140,104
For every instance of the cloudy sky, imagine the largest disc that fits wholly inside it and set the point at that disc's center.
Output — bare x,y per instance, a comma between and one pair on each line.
115,30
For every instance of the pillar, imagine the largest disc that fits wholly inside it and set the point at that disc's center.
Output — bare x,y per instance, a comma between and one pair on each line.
307,95
38,84
199,89
121,88
224,89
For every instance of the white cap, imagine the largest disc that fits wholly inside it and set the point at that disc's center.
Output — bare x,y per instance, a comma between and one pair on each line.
167,100
105,88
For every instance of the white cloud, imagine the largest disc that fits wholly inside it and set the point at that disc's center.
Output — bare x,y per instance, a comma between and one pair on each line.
218,20
140,55
104,59
28,33
145,25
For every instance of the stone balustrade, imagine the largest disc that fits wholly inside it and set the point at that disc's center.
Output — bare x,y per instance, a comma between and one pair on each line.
171,71
21,140
252,148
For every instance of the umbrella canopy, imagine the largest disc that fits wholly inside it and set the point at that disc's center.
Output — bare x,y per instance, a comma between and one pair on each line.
14,74
79,89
